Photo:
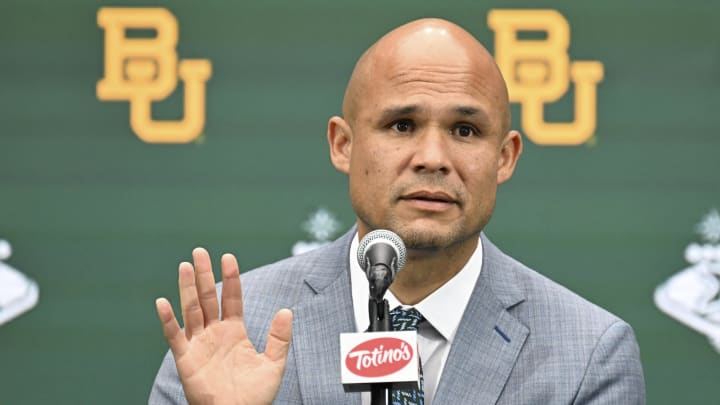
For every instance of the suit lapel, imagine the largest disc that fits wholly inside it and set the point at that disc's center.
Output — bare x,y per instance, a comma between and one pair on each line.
482,356
488,340
318,322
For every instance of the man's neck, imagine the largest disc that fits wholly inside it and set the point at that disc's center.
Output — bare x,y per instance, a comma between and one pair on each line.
426,271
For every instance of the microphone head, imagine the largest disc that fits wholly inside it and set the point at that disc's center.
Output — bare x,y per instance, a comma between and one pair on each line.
381,236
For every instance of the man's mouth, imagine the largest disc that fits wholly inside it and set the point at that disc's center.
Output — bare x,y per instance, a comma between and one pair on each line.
429,196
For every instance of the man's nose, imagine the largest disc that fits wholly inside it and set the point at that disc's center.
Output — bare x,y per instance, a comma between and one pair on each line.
431,152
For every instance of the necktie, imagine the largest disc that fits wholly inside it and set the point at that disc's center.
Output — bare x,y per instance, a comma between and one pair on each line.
407,319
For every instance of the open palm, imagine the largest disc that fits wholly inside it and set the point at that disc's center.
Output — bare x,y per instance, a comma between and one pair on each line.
215,359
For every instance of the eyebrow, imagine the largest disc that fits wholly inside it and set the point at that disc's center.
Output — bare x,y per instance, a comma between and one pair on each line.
390,113
467,111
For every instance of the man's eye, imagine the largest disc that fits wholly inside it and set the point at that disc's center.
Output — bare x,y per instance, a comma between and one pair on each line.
403,126
465,130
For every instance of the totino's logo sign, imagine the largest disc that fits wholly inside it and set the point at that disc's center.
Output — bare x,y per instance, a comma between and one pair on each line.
143,70
376,357
379,357
539,71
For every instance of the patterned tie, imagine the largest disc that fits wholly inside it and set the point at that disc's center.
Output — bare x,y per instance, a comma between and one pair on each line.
407,319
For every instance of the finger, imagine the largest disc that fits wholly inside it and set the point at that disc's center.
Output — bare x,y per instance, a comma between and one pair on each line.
170,327
278,340
192,314
205,282
232,306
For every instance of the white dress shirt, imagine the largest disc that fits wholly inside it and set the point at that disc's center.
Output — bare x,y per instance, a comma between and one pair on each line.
442,310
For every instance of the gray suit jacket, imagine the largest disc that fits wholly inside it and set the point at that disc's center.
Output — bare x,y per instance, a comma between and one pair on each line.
523,339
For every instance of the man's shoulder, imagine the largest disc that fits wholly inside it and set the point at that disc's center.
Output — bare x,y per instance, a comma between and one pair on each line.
576,348
288,281
549,293
326,260
547,303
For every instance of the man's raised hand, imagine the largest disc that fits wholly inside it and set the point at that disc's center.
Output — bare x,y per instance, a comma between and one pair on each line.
216,361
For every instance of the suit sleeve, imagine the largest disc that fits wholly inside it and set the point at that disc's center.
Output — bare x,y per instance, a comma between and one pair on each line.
167,388
614,373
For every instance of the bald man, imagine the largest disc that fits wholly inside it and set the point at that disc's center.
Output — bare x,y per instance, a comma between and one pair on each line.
425,142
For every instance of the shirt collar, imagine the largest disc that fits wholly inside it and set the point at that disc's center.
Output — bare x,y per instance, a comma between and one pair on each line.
443,309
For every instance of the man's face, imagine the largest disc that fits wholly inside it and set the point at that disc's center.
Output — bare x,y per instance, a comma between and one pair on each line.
426,153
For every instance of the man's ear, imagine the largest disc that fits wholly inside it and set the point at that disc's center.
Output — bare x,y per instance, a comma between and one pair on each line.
510,151
339,135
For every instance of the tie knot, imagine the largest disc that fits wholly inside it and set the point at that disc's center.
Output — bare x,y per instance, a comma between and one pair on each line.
405,319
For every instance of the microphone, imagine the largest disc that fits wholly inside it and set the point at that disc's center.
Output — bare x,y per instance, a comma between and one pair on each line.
383,356
381,254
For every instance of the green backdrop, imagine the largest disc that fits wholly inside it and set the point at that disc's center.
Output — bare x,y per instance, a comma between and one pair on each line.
100,219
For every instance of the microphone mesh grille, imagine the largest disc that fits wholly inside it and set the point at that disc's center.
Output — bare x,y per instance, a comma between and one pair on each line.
385,236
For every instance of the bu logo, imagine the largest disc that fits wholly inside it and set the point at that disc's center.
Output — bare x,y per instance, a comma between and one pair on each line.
143,70
539,71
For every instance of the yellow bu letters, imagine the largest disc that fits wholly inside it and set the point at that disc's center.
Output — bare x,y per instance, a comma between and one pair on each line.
539,72
143,70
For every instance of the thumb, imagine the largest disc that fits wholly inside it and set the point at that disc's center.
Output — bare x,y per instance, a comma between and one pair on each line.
278,340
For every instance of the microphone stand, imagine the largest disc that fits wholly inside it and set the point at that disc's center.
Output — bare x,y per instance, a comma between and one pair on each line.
381,254
379,322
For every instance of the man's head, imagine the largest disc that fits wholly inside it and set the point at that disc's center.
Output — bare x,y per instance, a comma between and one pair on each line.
425,136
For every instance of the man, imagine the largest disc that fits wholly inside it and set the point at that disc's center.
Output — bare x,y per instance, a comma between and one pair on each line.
425,141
